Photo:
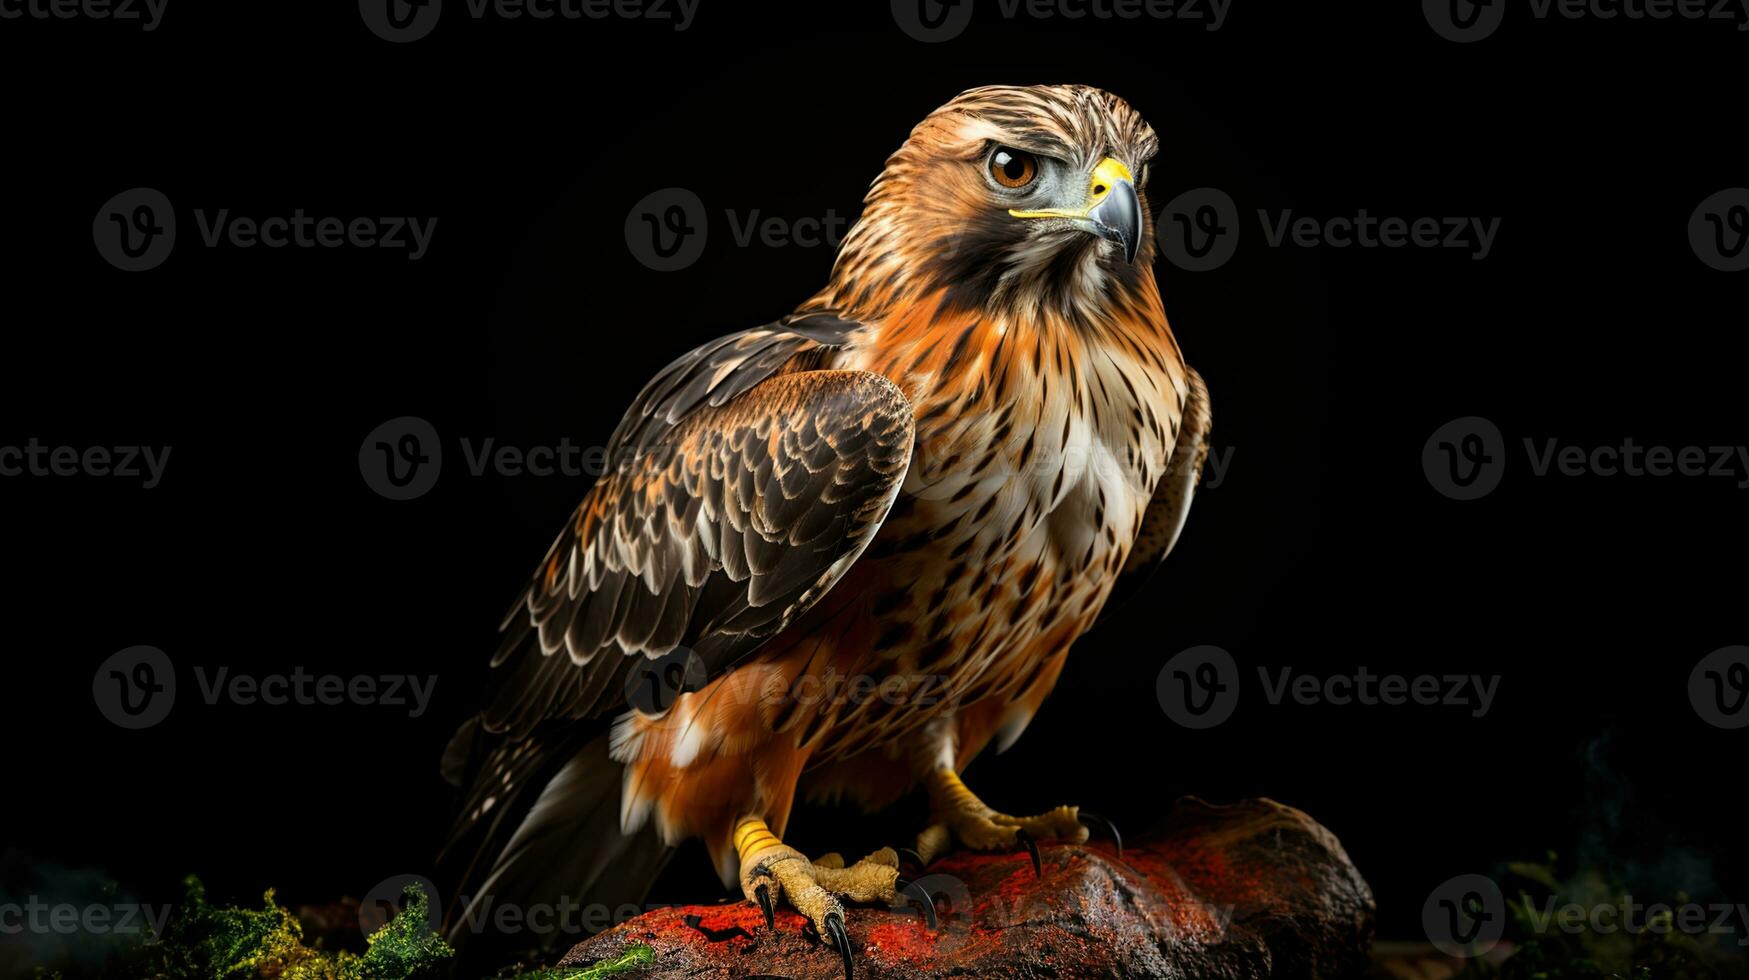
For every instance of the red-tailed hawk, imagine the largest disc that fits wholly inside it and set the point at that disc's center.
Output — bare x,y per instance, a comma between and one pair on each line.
873,530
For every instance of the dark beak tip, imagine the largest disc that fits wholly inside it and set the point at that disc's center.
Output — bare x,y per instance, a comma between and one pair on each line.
1119,217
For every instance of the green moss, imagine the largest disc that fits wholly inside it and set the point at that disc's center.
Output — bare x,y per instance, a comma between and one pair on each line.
203,941
206,942
631,959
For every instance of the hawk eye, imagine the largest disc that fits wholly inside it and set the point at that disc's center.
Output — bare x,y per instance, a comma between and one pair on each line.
1013,168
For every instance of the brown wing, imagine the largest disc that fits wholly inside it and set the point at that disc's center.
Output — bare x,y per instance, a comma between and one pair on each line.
726,519
1166,513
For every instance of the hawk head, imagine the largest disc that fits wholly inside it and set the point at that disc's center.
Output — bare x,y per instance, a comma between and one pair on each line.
1011,195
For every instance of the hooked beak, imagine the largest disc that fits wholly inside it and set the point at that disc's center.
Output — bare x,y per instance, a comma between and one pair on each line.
1113,211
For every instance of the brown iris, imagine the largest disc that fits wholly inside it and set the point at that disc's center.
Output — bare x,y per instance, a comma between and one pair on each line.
1013,168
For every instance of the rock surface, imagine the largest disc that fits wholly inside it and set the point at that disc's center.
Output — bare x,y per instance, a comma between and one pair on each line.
1252,889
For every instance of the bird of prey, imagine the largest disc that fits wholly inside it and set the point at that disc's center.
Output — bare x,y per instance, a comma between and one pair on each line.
873,529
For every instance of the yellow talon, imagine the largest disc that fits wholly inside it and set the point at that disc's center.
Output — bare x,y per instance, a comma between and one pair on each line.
956,813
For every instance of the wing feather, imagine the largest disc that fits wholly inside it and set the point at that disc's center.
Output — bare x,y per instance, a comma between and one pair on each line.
1166,513
715,530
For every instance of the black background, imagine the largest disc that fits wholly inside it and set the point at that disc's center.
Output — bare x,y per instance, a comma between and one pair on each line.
1324,547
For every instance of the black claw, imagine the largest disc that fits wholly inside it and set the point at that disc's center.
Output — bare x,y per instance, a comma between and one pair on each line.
763,893
1038,868
1090,819
916,893
841,939
906,854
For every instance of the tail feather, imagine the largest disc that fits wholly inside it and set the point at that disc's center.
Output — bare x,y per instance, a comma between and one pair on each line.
540,830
